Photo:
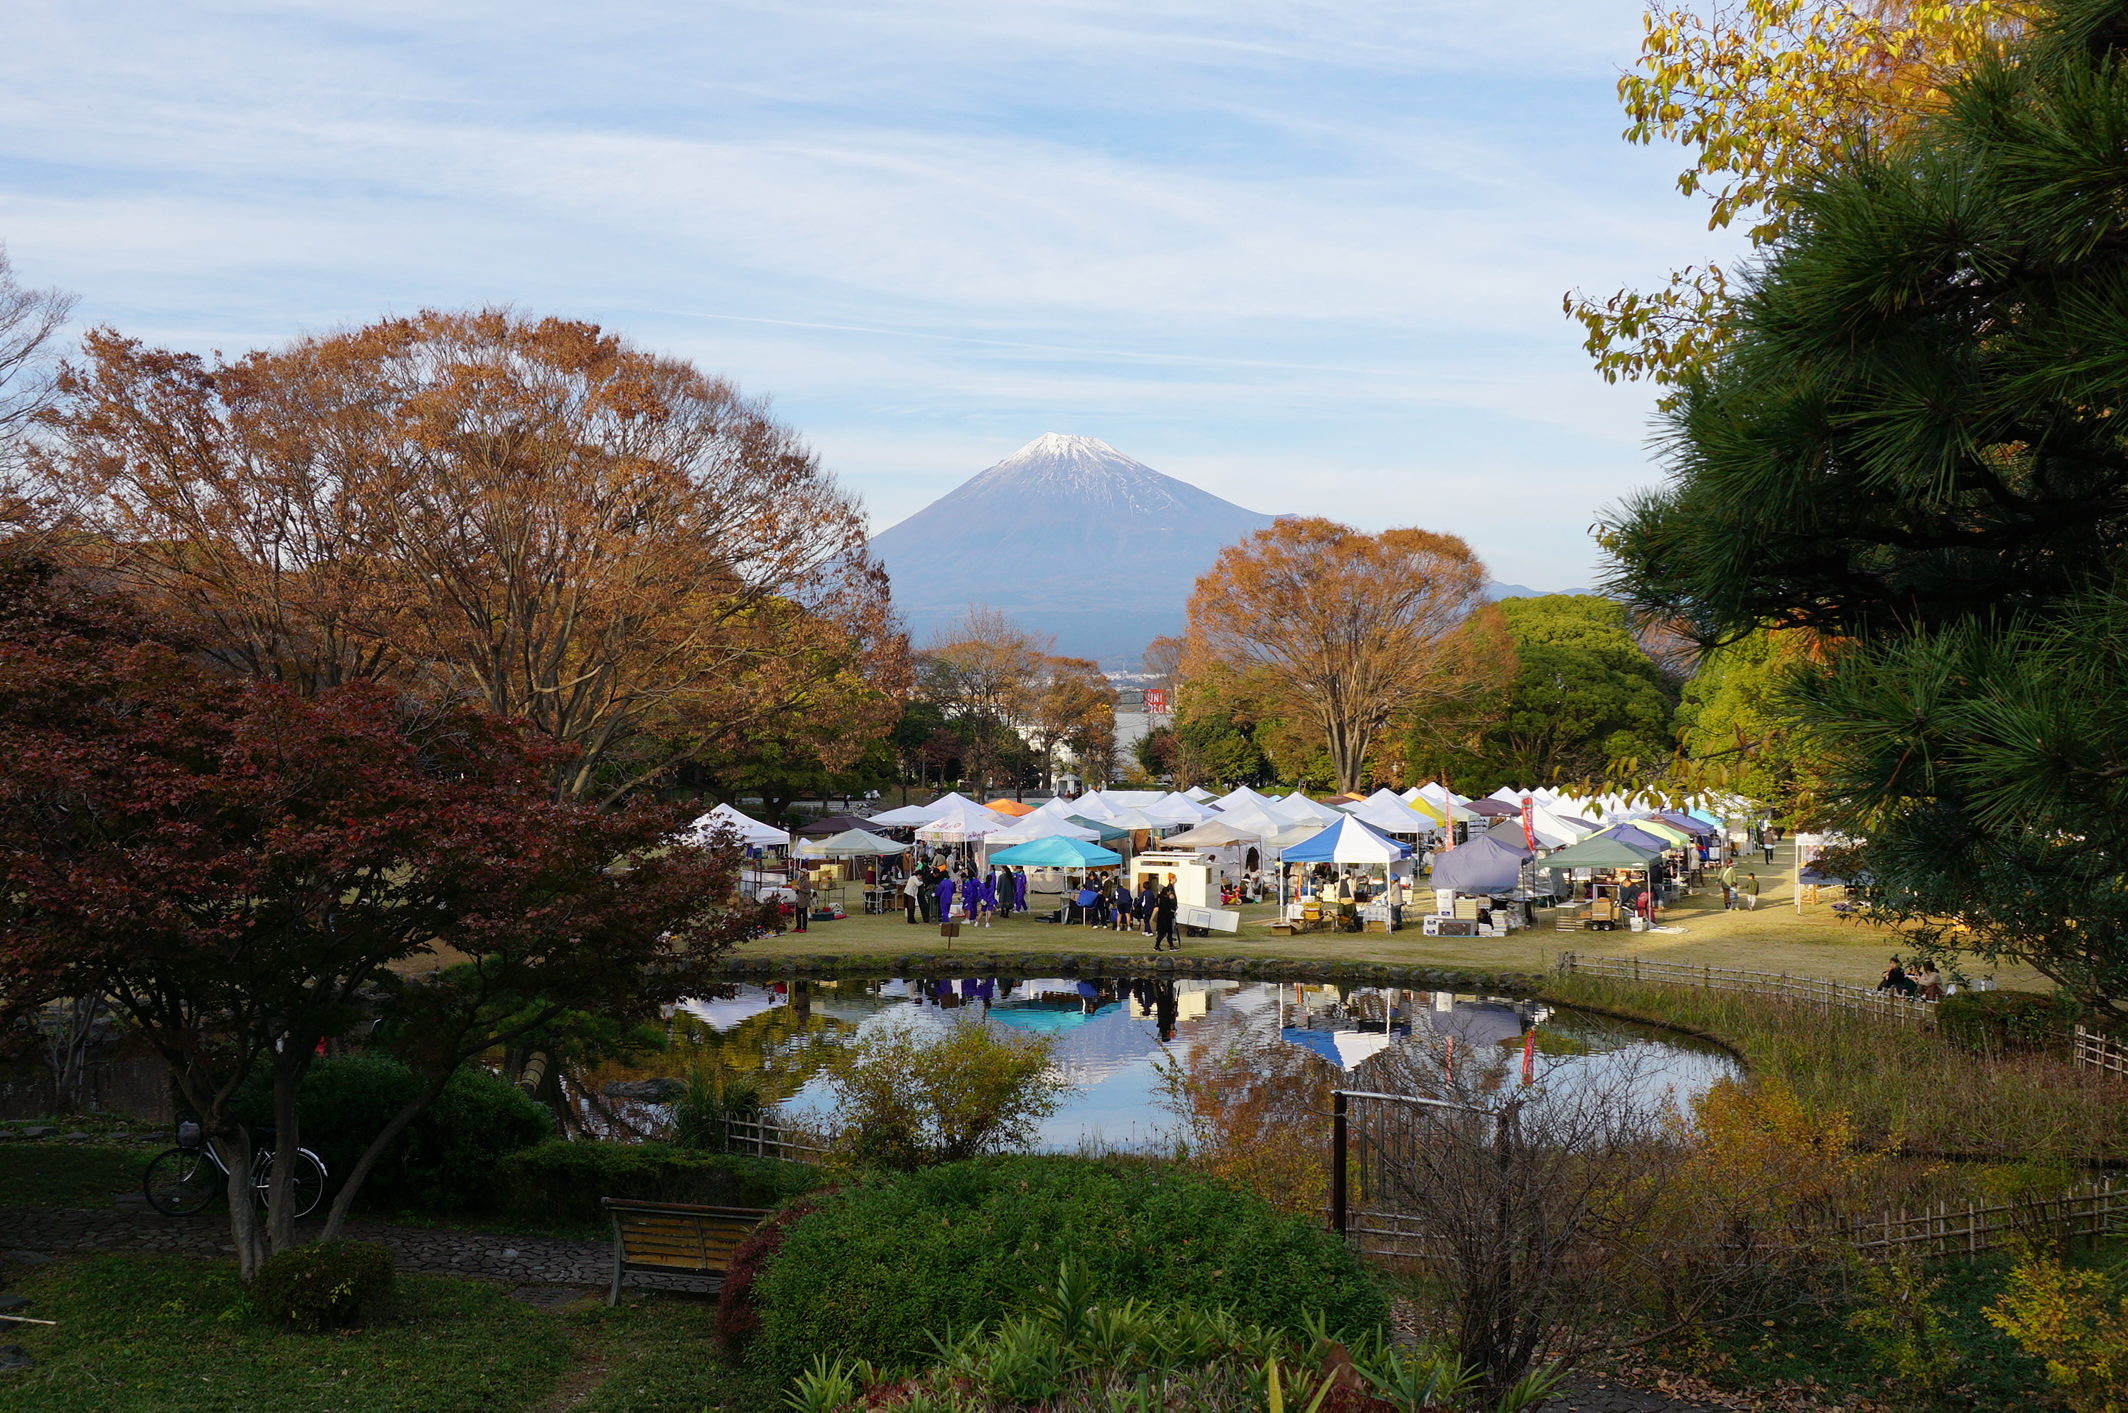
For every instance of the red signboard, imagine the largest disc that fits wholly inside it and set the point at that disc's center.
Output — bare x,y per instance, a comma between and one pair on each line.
1156,701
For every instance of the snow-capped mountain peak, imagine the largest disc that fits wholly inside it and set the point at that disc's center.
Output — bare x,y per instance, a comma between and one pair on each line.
1069,535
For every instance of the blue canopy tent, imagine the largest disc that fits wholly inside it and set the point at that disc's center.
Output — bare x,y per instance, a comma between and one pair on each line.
1057,852
1350,840
1692,825
1484,865
1637,838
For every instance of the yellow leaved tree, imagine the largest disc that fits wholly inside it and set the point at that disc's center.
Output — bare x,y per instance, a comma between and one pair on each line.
1761,92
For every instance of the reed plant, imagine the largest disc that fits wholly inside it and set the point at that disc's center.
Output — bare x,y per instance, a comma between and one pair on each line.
1904,1088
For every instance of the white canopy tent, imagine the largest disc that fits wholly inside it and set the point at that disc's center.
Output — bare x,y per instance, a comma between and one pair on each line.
924,814
850,844
1386,811
1029,828
964,822
752,832
1212,834
1177,809
1241,795
1198,793
1301,809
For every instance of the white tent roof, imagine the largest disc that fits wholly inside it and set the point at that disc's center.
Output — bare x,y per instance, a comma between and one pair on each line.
1298,807
1198,793
1177,809
1387,812
850,844
1241,795
1255,821
966,820
1211,834
1029,828
1552,831
750,831
1094,805
924,814
1136,819
1131,799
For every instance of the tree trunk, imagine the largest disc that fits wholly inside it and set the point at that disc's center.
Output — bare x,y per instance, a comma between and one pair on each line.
336,1217
245,1232
288,1070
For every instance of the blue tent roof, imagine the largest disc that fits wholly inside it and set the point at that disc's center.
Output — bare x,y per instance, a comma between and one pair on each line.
1057,852
1323,847
1484,865
1691,824
1638,838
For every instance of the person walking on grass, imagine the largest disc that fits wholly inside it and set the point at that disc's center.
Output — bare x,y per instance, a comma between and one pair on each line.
1148,895
1165,905
1728,878
1019,890
986,902
943,891
1751,892
912,889
1766,843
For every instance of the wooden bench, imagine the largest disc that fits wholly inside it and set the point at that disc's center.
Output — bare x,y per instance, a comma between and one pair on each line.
675,1238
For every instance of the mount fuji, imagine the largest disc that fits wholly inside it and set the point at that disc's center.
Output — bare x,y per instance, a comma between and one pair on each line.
1069,536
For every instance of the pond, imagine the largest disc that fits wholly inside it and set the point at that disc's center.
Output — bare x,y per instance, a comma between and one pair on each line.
1114,1037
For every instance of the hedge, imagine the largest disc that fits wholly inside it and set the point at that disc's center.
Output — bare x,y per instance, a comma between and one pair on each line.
880,1267
563,1180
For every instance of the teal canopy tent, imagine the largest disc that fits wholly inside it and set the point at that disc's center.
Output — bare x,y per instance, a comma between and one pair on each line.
1101,828
1056,852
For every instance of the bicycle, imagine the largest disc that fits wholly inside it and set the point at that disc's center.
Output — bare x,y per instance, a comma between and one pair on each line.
183,1180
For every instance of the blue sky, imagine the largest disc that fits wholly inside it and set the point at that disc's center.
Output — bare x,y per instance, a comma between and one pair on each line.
1306,255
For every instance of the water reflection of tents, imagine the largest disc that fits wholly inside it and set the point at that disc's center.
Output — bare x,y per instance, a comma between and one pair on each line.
1343,1048
1475,1023
1045,1017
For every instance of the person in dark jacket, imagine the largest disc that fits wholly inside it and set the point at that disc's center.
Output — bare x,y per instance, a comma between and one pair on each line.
1148,894
1165,905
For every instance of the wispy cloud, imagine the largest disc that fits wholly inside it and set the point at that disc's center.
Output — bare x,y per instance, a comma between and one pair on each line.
1295,251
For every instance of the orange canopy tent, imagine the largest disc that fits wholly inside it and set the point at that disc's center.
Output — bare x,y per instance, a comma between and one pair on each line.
1011,807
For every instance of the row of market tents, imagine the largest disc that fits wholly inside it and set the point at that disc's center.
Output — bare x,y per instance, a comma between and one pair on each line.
1381,828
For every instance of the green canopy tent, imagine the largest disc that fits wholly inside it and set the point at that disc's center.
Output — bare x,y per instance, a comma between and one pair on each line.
1103,830
1057,852
1599,852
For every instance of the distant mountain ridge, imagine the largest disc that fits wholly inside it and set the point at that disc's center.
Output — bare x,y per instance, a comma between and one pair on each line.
1069,536
1074,539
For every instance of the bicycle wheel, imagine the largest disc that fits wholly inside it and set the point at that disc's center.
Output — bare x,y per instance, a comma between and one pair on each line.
306,1185
181,1182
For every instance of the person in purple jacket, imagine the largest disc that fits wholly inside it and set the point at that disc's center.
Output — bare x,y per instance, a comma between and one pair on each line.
1019,890
971,894
945,896
986,902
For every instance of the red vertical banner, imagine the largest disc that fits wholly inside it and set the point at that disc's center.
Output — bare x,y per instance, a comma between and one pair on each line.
1529,828
1448,816
1529,1056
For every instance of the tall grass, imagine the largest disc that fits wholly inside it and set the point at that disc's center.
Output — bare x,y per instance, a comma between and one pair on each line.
1903,1087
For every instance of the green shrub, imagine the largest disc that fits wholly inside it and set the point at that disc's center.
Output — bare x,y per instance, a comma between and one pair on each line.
563,1180
908,1099
332,1285
446,1158
2001,1020
449,1159
882,1266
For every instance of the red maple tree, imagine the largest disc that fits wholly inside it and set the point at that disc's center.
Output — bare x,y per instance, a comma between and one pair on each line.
246,872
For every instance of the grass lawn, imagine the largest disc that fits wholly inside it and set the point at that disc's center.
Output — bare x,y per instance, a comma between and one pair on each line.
1774,937
83,1175
143,1334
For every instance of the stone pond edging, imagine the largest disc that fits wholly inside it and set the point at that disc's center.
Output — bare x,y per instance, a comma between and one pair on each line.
1097,964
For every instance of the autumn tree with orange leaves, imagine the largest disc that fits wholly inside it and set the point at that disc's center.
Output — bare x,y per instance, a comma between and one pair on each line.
1354,629
530,514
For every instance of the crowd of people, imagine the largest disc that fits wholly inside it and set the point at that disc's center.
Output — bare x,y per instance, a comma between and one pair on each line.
936,892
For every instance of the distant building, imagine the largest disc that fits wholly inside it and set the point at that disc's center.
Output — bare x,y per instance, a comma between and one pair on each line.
1133,724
